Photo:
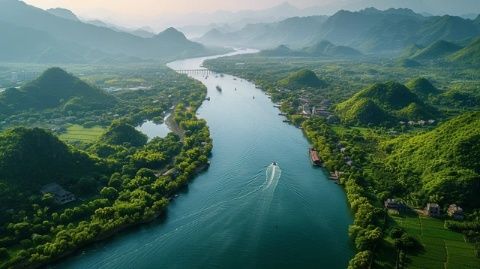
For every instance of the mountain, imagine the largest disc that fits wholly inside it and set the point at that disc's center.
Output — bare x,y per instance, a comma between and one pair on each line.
470,55
422,87
384,103
63,13
301,79
55,88
369,31
295,32
444,161
436,51
103,39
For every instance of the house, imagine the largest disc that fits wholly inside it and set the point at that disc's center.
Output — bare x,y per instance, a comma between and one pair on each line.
393,204
455,212
60,195
432,210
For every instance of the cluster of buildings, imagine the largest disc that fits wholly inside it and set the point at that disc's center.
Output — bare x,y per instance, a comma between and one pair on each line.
432,209
418,123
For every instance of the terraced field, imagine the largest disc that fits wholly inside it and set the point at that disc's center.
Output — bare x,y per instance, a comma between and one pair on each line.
444,249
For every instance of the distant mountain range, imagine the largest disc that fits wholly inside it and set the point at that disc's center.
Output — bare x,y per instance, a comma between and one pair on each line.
321,49
370,31
57,35
197,24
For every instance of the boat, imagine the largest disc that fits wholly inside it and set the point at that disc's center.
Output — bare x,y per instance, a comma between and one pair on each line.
314,157
208,98
219,88
274,163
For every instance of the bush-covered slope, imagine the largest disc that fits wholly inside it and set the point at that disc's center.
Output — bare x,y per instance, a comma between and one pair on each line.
445,161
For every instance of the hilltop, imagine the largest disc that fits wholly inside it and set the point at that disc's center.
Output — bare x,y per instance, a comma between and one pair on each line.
384,103
55,88
302,78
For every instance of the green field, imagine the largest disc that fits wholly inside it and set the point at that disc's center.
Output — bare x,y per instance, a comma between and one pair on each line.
443,248
77,133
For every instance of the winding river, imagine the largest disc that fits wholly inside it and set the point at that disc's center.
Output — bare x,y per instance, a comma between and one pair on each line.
242,212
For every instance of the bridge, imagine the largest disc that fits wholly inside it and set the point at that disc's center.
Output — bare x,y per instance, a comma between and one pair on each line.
202,71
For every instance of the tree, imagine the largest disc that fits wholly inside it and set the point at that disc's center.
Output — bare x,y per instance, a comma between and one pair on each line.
109,193
361,260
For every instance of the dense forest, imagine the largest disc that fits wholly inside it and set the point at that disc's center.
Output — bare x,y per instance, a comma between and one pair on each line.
118,180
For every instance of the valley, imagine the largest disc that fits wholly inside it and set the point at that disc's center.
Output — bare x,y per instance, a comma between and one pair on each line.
347,135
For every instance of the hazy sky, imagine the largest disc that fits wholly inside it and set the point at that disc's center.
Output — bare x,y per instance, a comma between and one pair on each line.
157,7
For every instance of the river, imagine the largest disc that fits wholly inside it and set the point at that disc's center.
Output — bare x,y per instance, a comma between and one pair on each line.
242,212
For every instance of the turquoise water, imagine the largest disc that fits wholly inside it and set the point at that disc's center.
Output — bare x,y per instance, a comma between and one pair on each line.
241,213
153,130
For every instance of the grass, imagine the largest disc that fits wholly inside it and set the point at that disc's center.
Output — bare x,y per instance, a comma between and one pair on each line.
78,133
442,248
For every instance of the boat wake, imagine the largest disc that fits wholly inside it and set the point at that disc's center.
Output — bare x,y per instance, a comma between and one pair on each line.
273,175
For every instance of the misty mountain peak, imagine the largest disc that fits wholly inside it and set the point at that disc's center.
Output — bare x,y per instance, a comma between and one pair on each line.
63,13
171,33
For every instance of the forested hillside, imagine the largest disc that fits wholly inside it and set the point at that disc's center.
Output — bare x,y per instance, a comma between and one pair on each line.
444,163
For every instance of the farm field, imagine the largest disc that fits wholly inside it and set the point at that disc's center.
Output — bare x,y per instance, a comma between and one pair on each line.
78,133
443,248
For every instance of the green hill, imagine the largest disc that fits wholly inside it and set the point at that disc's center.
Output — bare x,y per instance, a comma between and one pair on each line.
33,157
437,51
384,103
302,78
122,133
326,48
55,88
443,162
363,111
422,87
470,55
280,51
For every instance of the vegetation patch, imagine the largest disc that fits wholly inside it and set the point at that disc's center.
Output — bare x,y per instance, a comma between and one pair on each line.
78,133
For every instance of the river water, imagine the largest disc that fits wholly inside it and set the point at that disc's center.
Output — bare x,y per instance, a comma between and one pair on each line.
242,212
